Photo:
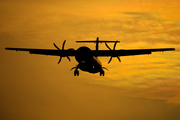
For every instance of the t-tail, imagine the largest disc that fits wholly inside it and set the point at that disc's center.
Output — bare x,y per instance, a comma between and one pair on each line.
97,41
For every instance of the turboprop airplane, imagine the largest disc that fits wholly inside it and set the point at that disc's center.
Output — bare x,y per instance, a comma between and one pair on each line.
88,59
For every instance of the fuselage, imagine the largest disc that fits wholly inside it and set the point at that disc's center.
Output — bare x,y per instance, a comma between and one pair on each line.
87,62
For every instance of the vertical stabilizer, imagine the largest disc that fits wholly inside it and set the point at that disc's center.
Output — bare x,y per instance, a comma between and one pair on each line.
97,43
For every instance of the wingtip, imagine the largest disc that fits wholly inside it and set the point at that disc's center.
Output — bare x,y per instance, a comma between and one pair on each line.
7,48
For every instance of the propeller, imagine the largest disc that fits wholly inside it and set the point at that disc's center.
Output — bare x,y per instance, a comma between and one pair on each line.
61,50
113,49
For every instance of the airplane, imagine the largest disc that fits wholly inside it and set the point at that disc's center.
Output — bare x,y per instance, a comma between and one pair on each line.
88,59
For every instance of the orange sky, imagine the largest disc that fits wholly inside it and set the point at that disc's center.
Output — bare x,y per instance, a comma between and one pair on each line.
140,87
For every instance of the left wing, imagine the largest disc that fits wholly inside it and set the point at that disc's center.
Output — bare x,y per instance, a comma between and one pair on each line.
53,52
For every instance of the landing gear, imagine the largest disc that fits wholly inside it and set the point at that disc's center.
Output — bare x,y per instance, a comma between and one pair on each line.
76,72
102,72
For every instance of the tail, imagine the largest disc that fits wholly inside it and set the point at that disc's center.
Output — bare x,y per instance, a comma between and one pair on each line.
97,41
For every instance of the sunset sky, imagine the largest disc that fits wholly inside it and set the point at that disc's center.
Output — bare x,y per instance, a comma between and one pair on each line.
35,87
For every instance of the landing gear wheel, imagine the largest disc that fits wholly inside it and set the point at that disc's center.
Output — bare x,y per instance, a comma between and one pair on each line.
76,73
102,72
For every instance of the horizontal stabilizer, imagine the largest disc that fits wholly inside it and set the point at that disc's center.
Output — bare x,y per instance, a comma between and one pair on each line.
100,41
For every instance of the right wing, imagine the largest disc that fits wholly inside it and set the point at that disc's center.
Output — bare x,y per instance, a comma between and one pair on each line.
115,53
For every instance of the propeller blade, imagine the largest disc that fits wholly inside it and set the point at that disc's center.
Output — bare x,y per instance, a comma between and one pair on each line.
113,49
60,59
56,46
119,59
115,45
110,60
68,58
63,44
107,46
62,49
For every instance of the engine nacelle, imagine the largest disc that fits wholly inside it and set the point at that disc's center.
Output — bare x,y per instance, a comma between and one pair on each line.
84,55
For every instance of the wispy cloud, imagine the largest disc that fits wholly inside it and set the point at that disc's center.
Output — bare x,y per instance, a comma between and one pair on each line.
49,22
154,76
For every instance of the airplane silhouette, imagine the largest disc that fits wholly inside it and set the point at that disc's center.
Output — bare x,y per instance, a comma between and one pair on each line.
88,59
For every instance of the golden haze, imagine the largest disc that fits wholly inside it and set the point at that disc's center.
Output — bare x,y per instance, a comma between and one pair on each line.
140,87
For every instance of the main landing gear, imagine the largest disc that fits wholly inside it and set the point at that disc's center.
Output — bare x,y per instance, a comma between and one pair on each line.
102,73
76,72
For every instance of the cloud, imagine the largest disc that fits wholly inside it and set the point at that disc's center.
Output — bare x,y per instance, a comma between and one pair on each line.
36,87
146,26
154,76
136,13
135,29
